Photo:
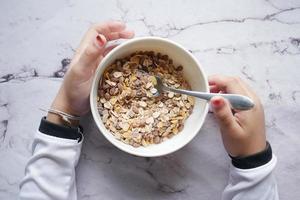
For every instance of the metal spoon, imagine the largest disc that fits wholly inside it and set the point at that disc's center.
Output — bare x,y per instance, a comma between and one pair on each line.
238,102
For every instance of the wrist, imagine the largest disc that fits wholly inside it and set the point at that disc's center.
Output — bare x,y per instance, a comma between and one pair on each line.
245,146
254,160
63,103
60,103
56,119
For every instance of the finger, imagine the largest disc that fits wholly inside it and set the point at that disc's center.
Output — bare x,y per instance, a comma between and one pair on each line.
115,26
113,30
108,49
93,50
106,30
210,81
229,84
214,89
127,34
221,81
222,112
112,26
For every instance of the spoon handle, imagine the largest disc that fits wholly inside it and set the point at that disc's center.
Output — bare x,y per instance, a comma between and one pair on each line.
238,102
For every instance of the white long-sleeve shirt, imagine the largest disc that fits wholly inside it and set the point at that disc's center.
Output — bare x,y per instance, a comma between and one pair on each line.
50,173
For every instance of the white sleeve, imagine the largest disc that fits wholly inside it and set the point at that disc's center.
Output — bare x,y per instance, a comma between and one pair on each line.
50,172
252,184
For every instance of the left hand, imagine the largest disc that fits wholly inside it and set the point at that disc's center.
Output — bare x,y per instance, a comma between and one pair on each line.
73,95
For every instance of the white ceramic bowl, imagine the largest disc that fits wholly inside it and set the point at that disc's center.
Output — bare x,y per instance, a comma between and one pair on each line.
193,73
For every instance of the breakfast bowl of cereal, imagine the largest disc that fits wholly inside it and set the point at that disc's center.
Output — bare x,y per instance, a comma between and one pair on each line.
125,104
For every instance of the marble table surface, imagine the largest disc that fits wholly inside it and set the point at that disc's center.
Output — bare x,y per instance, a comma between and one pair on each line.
258,40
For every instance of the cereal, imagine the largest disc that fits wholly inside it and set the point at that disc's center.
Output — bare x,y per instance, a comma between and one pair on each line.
171,95
150,120
153,90
156,115
117,74
143,104
127,103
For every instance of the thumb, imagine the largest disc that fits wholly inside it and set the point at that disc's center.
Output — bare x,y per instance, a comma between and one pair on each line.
93,51
223,113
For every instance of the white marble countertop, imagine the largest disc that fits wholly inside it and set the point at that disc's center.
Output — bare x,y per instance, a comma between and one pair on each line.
255,39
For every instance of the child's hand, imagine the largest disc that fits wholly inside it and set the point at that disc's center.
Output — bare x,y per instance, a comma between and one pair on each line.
243,132
73,96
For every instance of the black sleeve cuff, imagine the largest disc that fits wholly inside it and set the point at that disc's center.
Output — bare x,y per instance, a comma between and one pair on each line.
49,128
254,160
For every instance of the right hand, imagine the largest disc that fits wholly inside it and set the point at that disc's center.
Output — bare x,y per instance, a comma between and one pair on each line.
243,132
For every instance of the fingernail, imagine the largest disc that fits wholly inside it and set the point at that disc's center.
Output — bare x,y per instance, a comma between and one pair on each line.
217,103
100,40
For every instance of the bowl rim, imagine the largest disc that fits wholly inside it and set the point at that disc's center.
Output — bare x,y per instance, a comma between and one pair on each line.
93,104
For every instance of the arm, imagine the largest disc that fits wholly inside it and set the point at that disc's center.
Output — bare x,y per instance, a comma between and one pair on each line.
50,172
252,177
243,134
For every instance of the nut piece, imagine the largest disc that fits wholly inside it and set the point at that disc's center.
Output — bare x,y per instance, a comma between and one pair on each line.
157,140
156,114
149,84
143,104
171,94
107,105
117,74
124,126
153,90
111,83
135,109
150,120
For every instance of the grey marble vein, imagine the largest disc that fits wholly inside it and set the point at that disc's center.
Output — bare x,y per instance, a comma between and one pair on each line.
258,40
